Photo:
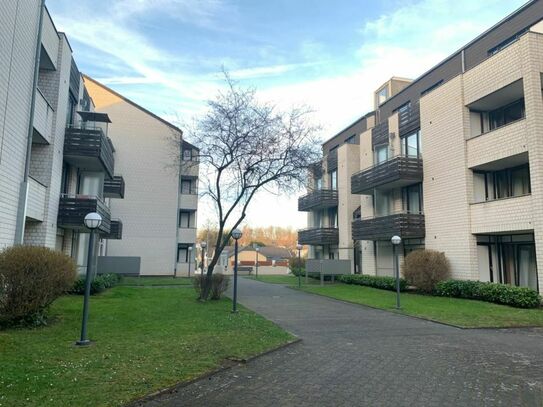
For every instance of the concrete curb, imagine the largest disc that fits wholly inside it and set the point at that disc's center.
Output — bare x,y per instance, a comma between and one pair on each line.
228,364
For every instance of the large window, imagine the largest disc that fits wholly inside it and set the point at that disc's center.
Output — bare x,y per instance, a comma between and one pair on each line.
507,183
333,180
380,154
382,95
332,218
318,183
185,220
382,203
183,253
412,199
506,114
411,145
188,186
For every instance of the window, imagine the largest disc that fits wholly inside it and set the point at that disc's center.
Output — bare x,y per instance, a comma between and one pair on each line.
333,180
382,95
187,155
507,183
318,183
411,145
183,253
332,217
351,140
506,43
186,186
380,154
506,114
184,219
412,199
382,203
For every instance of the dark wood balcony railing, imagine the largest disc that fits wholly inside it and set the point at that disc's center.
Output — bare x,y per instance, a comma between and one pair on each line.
89,149
115,230
409,118
405,225
319,236
114,188
396,172
73,209
318,199
331,160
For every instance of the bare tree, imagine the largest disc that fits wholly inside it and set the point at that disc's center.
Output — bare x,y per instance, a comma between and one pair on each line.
246,147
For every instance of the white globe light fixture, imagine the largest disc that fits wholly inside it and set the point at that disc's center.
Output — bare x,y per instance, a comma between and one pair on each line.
299,246
92,220
396,240
236,234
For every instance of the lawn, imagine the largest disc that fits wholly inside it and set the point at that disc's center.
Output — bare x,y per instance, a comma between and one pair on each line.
147,281
455,311
146,339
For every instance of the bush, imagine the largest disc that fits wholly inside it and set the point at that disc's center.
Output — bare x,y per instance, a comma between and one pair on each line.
219,284
382,282
296,265
31,278
425,268
520,297
295,271
99,284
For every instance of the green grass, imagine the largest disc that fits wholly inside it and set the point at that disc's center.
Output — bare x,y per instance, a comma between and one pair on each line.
147,281
455,311
146,339
283,279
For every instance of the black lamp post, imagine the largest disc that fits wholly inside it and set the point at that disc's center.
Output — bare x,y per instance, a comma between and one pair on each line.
92,221
299,247
396,240
190,258
203,246
257,249
236,234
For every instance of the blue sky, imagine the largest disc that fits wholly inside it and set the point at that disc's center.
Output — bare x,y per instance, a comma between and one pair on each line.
167,54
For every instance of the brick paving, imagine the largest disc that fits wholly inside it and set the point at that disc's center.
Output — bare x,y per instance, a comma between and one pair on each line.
352,355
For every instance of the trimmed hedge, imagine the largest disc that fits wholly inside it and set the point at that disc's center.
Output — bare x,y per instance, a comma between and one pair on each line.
384,283
99,284
520,297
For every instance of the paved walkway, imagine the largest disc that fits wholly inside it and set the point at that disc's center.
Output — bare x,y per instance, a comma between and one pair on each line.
351,355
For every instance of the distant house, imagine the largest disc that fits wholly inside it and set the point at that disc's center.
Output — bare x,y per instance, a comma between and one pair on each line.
271,259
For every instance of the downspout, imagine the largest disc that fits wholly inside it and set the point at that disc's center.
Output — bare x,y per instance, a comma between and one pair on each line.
176,252
23,191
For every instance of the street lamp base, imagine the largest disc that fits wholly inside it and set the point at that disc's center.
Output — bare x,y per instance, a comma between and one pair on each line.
86,342
234,312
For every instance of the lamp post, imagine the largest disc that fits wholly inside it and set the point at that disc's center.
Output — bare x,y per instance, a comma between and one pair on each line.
92,221
236,234
203,246
396,240
299,247
190,258
257,249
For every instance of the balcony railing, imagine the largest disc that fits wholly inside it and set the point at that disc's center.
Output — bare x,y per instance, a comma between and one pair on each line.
115,230
405,225
396,172
318,199
319,236
114,188
89,149
73,209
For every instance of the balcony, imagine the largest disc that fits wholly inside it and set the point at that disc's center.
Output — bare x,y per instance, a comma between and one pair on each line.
514,214
318,199
89,149
73,209
43,120
405,225
115,230
319,236
399,171
114,188
188,201
186,235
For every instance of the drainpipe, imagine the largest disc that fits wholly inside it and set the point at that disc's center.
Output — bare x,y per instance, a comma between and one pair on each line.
23,191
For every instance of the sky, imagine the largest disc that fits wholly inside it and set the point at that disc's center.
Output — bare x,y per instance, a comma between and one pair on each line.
167,55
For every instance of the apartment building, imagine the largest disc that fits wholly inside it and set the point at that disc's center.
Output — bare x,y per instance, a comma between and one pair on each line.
451,161
160,207
58,161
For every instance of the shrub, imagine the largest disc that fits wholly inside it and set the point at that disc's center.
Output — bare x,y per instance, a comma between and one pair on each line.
425,268
31,278
296,265
297,271
520,297
99,284
382,282
219,284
